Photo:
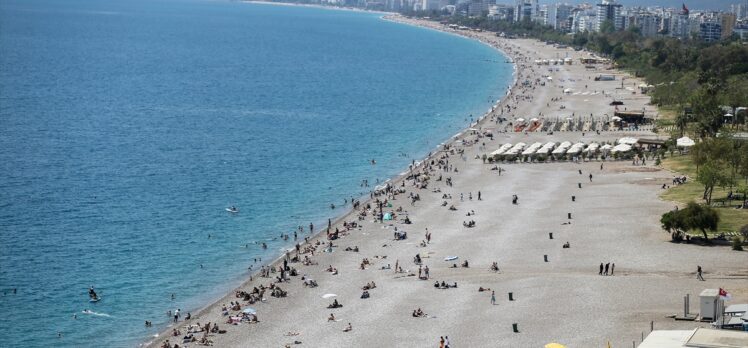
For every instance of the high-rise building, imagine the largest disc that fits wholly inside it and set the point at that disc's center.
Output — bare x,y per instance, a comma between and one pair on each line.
608,10
525,10
560,16
680,24
710,30
476,8
648,24
728,21
501,12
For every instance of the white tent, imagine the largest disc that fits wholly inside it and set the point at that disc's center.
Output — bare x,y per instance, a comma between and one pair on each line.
532,149
685,142
628,140
621,148
561,149
502,149
546,148
592,147
576,148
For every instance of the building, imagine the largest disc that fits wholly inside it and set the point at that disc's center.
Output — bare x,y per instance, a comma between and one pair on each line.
698,338
728,21
710,31
648,24
680,25
559,16
501,12
608,10
430,5
525,10
476,8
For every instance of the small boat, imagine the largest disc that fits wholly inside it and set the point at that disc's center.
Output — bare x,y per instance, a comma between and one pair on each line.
232,209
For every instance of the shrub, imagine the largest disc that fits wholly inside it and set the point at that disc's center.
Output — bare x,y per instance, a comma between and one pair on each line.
737,244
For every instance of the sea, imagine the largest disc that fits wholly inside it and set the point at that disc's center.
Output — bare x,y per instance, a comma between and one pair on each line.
128,127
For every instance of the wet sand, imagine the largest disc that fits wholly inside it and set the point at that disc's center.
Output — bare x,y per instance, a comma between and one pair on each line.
615,219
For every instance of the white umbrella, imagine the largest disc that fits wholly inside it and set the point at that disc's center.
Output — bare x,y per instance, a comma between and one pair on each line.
685,142
567,91
249,310
533,119
520,120
329,295
616,118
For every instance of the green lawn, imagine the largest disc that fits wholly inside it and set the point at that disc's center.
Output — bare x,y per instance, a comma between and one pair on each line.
730,219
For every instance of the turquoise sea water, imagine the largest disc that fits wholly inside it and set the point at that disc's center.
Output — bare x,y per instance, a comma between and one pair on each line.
127,128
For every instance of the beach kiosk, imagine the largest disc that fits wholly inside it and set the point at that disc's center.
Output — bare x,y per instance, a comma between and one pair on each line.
709,302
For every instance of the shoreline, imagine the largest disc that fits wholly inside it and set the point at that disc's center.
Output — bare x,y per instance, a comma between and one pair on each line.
395,180
545,290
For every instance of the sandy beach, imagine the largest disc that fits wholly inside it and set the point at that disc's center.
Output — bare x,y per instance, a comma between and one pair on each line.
614,218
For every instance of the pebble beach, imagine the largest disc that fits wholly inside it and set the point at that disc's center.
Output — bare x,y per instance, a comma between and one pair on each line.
547,292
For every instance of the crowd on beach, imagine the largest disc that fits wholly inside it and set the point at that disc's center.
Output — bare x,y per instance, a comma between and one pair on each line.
384,208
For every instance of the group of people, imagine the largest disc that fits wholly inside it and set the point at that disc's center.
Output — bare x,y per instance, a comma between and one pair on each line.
604,268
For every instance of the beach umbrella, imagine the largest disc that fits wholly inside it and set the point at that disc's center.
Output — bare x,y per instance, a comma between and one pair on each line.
249,310
520,120
329,295
555,345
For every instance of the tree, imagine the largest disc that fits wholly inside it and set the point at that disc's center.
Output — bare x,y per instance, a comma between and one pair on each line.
700,217
672,222
607,26
693,217
710,175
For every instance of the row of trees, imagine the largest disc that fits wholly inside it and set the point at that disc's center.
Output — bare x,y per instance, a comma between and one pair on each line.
722,161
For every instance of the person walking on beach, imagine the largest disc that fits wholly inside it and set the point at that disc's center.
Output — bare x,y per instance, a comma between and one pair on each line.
606,268
590,177
493,298
698,273
479,196
612,268
601,166
446,341
441,342
601,269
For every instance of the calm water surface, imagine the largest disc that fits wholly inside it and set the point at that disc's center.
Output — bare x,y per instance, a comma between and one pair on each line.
127,128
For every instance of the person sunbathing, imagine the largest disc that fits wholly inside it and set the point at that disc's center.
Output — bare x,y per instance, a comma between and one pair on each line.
465,264
482,289
335,304
331,317
495,267
365,294
452,207
348,328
